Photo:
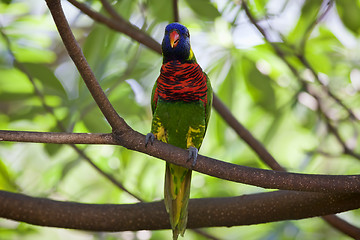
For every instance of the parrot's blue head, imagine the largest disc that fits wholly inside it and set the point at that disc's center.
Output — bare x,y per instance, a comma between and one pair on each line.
176,43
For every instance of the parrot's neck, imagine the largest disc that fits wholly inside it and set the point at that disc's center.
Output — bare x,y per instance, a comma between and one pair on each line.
170,57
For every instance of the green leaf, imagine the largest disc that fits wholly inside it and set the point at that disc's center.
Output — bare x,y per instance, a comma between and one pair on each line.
24,111
6,182
204,8
226,92
320,51
28,54
259,86
6,1
349,12
94,46
95,122
309,13
47,78
125,7
68,167
162,10
258,8
13,80
9,7
52,149
9,96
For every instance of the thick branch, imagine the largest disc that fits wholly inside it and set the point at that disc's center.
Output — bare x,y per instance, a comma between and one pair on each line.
75,52
211,212
236,173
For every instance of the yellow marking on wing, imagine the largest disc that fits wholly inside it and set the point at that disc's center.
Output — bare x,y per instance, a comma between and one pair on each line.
161,134
159,130
194,132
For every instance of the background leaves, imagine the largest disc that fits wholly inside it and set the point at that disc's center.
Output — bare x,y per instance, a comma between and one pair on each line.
245,72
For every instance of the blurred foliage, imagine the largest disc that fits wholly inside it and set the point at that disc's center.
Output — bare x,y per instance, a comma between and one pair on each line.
245,72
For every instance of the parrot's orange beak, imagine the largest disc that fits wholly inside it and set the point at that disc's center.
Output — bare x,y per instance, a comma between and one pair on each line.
174,38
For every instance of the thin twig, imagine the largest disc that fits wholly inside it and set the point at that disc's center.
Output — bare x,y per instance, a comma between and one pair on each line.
37,91
343,226
205,234
176,11
112,11
317,20
305,85
306,63
104,174
335,132
301,57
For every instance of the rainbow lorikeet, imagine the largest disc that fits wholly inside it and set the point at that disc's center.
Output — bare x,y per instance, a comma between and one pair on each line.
181,104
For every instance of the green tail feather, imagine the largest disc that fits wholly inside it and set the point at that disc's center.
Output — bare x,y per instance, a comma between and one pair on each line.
177,193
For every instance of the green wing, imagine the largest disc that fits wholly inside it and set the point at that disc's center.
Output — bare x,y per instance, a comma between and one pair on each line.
209,102
154,97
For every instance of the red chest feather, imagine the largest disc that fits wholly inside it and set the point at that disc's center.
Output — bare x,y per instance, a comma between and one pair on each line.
182,82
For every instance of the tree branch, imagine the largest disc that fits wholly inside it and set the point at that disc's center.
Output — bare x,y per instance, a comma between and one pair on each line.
343,226
227,171
335,132
176,11
57,138
306,63
210,212
107,6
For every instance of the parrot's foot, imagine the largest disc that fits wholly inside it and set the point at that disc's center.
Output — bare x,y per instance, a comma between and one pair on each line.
193,153
150,137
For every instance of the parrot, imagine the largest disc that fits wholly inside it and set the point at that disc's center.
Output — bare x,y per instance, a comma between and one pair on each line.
181,105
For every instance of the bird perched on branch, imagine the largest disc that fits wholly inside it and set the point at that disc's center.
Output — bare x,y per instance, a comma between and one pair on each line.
181,104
